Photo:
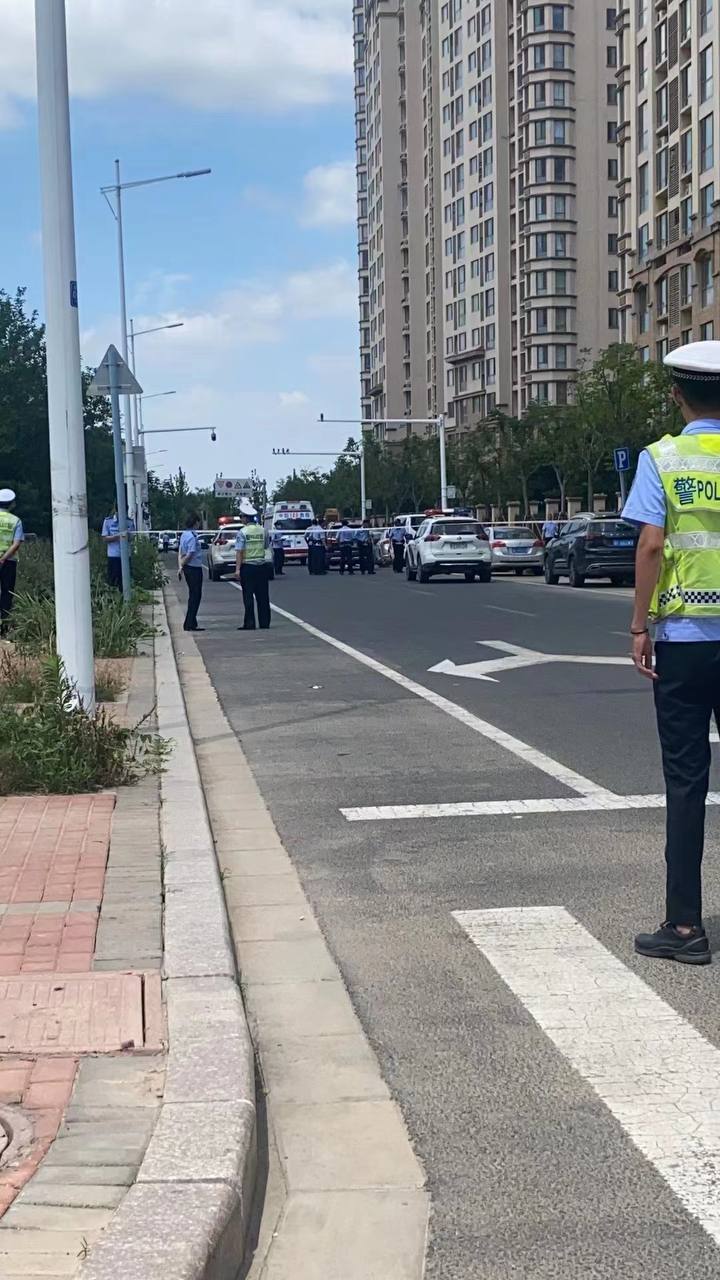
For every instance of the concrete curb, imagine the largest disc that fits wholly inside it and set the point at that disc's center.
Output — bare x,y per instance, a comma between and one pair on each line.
186,1217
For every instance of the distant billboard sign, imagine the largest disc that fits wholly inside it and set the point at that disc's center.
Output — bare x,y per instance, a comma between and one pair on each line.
226,487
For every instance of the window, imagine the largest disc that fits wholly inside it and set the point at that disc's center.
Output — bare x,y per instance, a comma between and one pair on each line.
661,106
642,64
541,282
706,143
642,127
542,356
560,207
686,216
558,57
707,331
707,291
686,151
705,8
560,246
612,242
558,17
613,280
661,169
561,282
612,130
559,132
643,241
661,42
541,170
610,19
684,20
611,93
642,8
539,57
662,230
705,75
561,319
686,285
560,96
560,170
541,246
541,320
611,56
613,169
643,188
538,17
661,297
540,132
561,360
641,307
612,206
707,198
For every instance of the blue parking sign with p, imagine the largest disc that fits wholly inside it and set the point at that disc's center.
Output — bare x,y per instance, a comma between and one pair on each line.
622,459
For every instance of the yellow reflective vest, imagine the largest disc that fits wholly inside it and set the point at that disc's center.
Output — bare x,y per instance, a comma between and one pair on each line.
689,582
8,525
254,544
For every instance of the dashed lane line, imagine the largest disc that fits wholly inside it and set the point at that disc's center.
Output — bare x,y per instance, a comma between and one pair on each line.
655,1073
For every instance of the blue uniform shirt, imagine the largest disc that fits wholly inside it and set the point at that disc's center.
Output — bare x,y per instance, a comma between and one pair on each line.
278,540
345,534
550,529
190,545
397,533
646,505
111,525
362,536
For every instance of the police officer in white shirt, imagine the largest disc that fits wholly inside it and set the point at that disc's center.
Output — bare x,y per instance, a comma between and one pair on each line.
366,550
277,541
316,539
397,539
346,537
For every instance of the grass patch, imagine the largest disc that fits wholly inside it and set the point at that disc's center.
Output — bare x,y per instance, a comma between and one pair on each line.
53,746
117,627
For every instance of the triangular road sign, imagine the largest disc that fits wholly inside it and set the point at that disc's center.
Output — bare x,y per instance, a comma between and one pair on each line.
127,383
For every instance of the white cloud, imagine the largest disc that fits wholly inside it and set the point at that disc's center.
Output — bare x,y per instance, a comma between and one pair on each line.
330,195
292,399
215,55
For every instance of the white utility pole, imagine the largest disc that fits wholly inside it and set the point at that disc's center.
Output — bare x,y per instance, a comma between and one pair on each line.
73,621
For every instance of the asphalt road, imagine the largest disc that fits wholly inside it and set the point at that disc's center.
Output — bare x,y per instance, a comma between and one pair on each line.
532,1172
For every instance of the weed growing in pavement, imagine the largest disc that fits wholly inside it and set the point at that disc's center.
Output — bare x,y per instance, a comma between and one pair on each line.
53,745
20,679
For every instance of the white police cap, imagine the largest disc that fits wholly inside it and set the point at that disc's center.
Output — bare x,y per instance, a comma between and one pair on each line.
696,361
8,495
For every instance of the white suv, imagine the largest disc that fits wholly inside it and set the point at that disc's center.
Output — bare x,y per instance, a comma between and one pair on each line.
449,544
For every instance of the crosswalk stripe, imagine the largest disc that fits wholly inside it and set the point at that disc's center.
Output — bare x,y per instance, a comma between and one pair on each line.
657,1075
607,800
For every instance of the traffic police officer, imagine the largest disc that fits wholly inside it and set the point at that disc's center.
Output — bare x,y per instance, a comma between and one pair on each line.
366,550
252,573
397,538
676,500
346,537
277,540
316,539
190,566
11,535
111,535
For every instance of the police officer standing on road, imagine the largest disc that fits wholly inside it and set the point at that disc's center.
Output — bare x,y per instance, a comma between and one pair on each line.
11,536
397,539
251,571
346,537
366,550
316,539
190,566
277,540
676,500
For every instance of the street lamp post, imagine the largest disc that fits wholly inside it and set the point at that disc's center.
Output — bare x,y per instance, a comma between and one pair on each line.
71,555
137,400
117,188
438,422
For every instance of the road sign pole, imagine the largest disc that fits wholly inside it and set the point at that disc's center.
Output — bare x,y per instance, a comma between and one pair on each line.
443,465
623,489
73,621
119,472
363,499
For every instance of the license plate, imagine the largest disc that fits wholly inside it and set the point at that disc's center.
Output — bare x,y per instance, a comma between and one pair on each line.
622,542
456,546
519,551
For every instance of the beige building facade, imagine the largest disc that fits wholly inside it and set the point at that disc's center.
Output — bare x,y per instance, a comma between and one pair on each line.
669,173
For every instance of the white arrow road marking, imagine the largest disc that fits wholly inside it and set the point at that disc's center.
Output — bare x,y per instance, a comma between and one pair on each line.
603,801
529,755
655,1073
519,657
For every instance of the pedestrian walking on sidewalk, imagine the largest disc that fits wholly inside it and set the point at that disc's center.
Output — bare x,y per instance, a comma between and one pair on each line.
11,536
676,501
111,536
366,550
397,540
277,540
346,537
251,571
190,566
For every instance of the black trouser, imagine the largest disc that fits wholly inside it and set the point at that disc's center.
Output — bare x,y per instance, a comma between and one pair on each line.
316,558
278,559
367,557
398,556
8,574
114,572
194,578
346,557
687,694
255,587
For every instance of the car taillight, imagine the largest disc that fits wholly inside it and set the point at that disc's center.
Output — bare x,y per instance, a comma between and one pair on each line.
432,537
498,544
538,542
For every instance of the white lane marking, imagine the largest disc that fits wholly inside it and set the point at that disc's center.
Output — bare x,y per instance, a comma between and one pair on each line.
519,657
603,802
655,1073
520,613
529,755
597,593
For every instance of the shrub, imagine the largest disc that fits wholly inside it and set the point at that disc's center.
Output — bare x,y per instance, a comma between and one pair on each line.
117,626
20,677
147,574
53,745
35,568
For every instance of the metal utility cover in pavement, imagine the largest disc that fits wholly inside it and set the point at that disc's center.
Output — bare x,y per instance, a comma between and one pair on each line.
81,1013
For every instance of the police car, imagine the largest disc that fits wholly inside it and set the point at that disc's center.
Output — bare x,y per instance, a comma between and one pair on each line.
449,544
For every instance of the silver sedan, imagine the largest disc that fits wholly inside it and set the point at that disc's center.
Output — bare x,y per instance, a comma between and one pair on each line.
515,548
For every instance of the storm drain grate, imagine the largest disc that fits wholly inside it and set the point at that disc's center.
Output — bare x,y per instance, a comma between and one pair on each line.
81,1013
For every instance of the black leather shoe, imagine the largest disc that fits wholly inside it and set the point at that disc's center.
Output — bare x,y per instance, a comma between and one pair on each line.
667,944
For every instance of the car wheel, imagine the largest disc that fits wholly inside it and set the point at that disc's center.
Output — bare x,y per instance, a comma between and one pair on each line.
410,573
551,578
575,578
424,574
470,575
485,573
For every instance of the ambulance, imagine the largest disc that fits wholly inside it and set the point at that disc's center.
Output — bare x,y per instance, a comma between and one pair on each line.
291,519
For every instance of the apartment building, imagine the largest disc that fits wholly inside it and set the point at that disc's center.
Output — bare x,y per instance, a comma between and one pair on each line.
669,180
490,162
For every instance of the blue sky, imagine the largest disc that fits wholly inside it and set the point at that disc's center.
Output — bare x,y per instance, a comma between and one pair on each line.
257,260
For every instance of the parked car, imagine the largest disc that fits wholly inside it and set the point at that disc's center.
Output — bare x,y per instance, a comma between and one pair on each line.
448,544
382,547
515,548
597,546
221,553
